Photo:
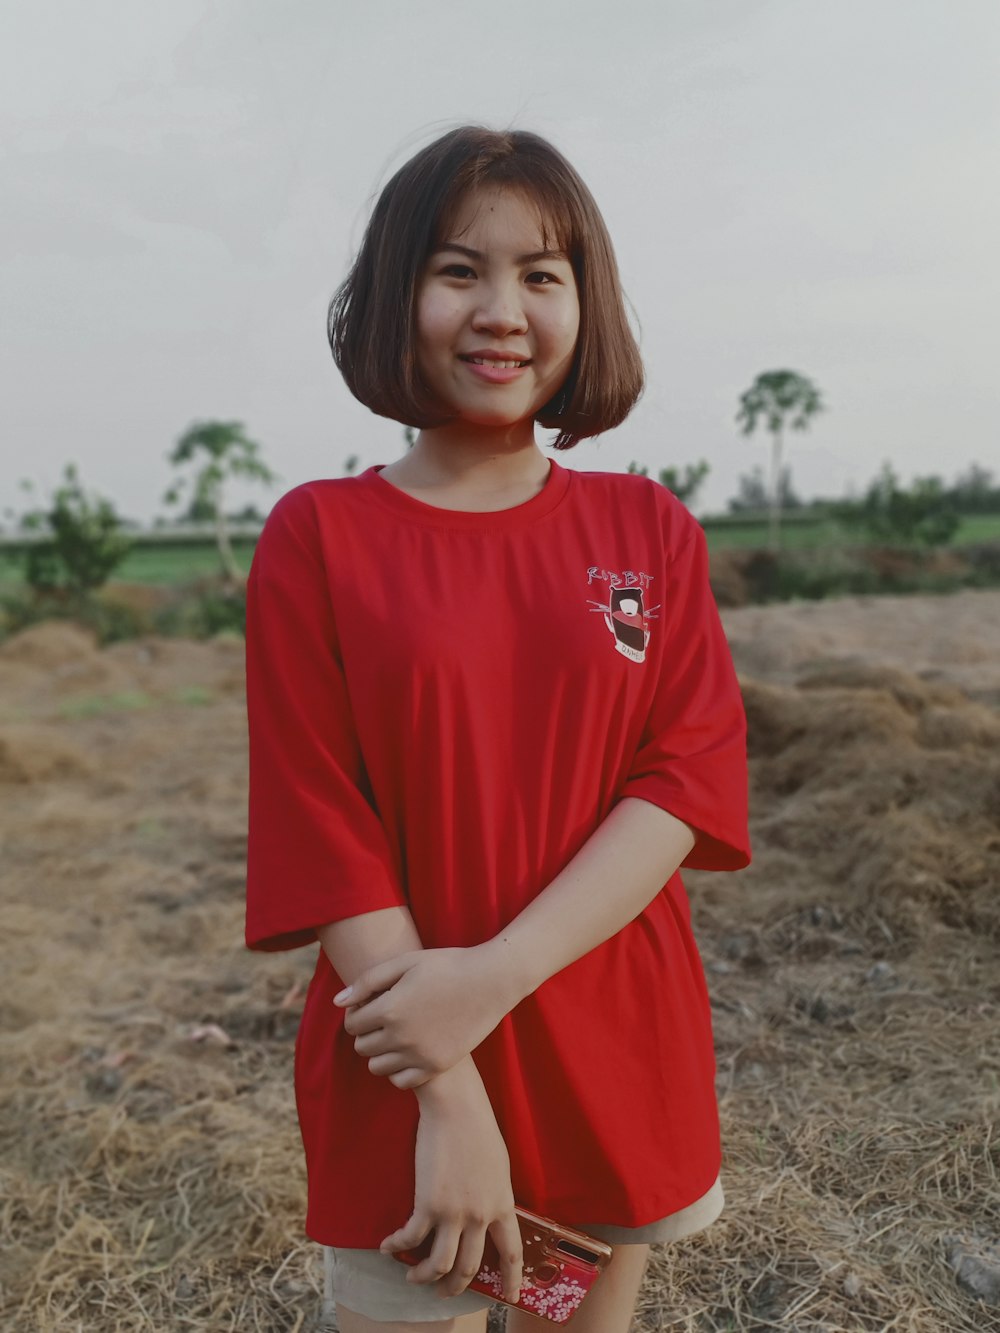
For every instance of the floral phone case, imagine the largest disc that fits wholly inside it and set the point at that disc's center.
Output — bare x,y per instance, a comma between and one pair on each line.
560,1266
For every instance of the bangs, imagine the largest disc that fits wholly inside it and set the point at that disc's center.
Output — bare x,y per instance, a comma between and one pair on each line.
560,225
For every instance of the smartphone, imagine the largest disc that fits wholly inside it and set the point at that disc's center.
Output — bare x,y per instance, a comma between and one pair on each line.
561,1266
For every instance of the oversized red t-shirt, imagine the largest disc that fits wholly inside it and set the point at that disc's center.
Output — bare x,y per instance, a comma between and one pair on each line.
442,709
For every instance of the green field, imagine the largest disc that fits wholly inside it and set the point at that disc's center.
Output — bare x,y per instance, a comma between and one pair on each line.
175,564
181,562
794,536
161,565
809,533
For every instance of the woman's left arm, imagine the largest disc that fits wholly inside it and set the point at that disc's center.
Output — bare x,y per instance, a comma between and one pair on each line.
423,1011
636,849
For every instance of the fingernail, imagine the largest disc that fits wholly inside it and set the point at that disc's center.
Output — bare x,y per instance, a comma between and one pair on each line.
343,995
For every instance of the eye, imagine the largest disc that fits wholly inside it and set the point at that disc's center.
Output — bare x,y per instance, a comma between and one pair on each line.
549,278
457,270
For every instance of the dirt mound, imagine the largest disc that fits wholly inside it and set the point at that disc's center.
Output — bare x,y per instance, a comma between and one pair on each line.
32,754
726,576
891,784
170,666
954,639
54,643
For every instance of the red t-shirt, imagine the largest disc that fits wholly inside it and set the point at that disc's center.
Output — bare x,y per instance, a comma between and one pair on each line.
441,713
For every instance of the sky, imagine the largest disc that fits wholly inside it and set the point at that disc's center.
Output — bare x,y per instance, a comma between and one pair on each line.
788,184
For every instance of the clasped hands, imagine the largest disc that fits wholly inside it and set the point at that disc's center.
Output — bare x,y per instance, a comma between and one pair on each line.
416,1015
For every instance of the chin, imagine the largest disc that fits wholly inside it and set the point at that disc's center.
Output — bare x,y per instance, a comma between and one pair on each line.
496,417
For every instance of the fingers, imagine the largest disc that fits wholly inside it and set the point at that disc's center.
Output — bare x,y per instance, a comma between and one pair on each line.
392,1063
363,1018
506,1235
408,1237
441,1259
373,1043
374,980
468,1261
399,1062
411,1078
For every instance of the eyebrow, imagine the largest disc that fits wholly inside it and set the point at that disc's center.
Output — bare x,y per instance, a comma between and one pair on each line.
533,258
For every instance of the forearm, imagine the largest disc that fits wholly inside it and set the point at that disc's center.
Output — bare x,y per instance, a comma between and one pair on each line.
358,942
613,877
421,1015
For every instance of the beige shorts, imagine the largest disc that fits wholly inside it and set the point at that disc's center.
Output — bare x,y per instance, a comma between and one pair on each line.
374,1284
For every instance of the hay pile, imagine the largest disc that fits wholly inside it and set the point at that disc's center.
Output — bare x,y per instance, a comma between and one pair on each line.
151,1170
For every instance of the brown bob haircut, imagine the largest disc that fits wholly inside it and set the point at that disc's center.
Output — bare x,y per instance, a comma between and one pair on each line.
372,317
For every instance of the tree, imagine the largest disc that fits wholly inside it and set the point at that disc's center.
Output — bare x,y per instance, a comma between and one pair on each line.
975,491
778,395
217,451
82,542
923,514
685,486
752,494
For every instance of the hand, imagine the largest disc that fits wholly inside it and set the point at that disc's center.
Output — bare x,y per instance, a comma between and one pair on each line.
417,1015
463,1188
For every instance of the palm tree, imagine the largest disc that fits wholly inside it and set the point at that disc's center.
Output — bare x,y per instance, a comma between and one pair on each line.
227,453
776,395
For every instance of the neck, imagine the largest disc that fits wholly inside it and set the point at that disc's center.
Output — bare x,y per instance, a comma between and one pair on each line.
489,460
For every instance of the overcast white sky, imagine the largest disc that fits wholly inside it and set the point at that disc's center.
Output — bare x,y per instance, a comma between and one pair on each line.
788,183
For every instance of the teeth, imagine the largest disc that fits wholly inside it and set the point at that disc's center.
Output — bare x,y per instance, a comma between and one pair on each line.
502,365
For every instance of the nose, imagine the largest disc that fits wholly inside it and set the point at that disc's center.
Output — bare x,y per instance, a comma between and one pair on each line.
501,309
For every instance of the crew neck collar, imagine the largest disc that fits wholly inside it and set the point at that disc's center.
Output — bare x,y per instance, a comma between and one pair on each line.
418,511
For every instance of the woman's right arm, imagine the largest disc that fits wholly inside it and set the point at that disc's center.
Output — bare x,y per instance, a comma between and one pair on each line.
319,865
463,1187
358,942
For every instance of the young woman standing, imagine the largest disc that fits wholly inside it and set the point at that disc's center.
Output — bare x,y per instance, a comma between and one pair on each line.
492,712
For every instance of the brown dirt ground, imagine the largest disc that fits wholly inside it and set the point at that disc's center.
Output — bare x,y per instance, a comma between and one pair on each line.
151,1169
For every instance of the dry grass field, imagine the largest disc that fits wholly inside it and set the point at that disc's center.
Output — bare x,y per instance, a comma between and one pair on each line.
151,1170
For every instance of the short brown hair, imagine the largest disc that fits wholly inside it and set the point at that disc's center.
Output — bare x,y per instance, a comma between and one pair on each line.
372,317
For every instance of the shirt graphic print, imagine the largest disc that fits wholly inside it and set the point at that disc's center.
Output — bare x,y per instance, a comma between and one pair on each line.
626,614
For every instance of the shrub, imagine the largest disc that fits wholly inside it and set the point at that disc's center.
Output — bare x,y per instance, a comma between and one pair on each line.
81,541
922,515
110,621
202,609
984,562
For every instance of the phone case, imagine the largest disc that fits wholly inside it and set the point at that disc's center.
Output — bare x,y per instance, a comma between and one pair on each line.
561,1266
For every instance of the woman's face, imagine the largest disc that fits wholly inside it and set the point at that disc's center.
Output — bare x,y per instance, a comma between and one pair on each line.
492,293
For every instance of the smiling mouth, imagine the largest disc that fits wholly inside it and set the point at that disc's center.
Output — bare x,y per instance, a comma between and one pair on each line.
496,365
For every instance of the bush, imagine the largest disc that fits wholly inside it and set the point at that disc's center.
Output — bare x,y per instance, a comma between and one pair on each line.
922,515
984,562
203,609
81,543
813,574
110,621
196,611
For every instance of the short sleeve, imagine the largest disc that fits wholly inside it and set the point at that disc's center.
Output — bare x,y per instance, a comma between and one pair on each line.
316,848
692,758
